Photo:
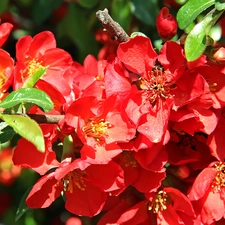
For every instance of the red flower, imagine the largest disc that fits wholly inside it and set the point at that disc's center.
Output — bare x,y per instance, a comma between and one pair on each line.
168,207
162,86
82,184
166,24
208,192
39,52
87,79
98,121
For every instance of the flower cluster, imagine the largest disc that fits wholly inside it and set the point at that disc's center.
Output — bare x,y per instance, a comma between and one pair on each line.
142,135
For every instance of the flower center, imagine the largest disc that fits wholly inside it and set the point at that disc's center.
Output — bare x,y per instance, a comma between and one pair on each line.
76,178
155,85
127,159
219,180
96,128
32,67
159,202
212,87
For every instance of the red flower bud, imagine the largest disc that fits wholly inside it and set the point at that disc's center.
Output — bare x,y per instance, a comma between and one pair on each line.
182,172
166,24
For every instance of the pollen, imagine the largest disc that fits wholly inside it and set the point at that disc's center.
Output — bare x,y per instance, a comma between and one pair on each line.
212,87
127,159
2,79
75,179
219,180
159,202
96,128
32,67
155,85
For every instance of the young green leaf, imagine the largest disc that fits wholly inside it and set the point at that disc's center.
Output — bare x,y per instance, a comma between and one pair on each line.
31,80
189,12
22,206
27,128
28,95
196,40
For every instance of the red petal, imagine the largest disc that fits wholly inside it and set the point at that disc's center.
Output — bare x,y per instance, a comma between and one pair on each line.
44,192
26,155
201,184
5,30
41,42
135,53
85,203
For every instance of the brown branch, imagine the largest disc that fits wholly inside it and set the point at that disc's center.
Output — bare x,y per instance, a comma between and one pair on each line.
115,31
50,119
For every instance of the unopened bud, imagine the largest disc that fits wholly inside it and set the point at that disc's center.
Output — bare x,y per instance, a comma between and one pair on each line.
182,172
166,24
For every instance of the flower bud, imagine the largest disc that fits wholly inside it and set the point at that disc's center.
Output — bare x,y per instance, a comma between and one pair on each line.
182,172
166,24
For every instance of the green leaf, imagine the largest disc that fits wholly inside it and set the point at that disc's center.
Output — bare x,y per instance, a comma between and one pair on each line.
189,12
28,95
196,40
27,128
121,13
42,9
146,11
4,5
6,132
31,80
22,206
88,3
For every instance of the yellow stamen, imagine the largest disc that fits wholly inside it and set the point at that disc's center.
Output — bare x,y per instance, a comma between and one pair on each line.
159,202
76,178
219,180
96,128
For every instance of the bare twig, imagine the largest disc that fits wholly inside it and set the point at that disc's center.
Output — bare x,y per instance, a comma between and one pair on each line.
50,119
115,31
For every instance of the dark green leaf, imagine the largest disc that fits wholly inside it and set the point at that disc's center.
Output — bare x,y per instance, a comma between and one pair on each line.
42,9
189,12
28,95
22,206
88,3
27,128
121,13
3,5
196,40
31,80
75,27
146,11
6,132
